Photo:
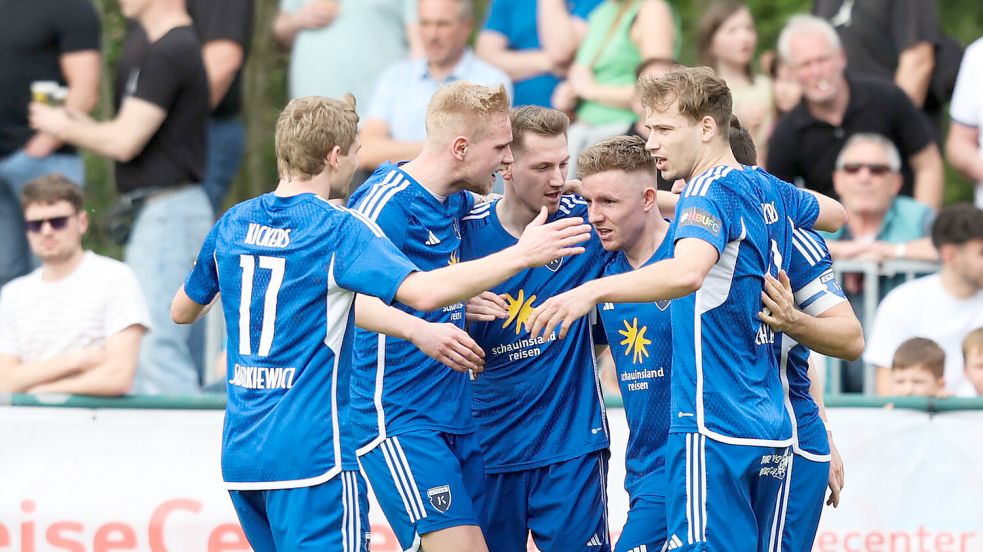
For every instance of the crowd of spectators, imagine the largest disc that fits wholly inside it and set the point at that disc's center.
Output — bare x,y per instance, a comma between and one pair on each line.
849,102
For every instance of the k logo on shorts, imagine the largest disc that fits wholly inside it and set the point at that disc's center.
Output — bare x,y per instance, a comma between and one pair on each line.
440,498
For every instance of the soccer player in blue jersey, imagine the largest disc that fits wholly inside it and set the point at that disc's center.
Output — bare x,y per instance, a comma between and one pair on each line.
288,265
810,310
538,404
732,226
618,182
417,440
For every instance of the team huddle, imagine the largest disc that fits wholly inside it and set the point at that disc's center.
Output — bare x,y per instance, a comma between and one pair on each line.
444,344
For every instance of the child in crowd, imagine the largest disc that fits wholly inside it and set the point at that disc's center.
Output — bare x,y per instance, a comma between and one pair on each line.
973,359
917,369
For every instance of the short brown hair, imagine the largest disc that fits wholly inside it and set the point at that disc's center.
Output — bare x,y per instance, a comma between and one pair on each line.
698,92
920,351
52,188
464,108
534,119
620,153
308,129
973,340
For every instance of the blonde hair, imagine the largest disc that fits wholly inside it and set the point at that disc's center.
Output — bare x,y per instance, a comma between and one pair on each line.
541,121
620,153
698,92
973,340
308,129
462,108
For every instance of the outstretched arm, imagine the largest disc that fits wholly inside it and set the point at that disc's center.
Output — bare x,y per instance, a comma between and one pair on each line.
445,343
668,279
539,244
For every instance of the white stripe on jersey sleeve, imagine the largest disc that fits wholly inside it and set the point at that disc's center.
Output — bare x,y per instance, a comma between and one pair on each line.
377,190
822,298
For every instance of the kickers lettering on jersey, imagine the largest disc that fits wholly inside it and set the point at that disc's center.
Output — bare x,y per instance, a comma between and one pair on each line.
770,212
264,236
765,335
252,377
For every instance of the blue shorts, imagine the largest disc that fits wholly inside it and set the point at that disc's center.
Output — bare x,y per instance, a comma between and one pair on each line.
800,503
426,481
718,494
564,505
645,529
331,516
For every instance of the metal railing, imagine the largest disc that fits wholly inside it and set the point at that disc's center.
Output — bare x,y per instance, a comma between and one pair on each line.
217,402
873,273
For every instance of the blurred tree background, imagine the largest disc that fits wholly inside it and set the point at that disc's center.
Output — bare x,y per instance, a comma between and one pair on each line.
266,89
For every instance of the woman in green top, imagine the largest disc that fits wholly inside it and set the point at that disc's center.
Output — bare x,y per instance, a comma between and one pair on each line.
601,82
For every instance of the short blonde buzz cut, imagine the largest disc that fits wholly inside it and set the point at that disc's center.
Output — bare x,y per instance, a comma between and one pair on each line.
462,108
698,92
620,153
308,129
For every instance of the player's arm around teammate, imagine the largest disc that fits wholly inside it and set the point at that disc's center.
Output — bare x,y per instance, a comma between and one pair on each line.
836,332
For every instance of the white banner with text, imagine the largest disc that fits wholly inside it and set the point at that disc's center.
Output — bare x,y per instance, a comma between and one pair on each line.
84,480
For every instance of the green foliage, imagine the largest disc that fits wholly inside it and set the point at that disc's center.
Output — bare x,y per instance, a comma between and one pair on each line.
266,88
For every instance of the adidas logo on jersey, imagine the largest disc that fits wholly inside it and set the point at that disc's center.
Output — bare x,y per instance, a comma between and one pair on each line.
595,541
673,543
608,306
431,238
642,548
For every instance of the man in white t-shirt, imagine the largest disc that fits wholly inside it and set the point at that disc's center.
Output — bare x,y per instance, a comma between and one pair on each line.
74,325
943,307
964,145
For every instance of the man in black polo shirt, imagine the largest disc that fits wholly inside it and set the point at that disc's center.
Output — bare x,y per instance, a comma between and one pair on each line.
158,142
40,40
806,141
225,28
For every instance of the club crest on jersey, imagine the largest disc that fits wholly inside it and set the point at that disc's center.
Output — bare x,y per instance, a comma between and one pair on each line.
440,497
694,216
663,304
554,265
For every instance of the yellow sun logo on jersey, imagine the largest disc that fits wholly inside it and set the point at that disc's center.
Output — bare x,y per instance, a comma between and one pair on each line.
454,258
635,341
519,310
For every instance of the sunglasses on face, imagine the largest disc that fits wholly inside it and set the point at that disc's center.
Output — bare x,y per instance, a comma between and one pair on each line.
875,169
57,223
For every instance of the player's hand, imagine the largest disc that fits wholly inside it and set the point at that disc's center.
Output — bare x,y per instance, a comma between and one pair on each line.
779,303
449,345
542,243
560,312
486,307
836,475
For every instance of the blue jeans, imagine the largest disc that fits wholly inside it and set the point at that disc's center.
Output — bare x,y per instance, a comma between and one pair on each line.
16,170
226,147
165,241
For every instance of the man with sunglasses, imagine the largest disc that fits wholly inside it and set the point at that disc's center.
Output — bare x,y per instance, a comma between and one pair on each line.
882,224
73,325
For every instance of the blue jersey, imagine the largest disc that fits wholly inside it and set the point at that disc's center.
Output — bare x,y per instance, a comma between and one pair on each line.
288,269
816,290
538,401
640,337
725,382
396,387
